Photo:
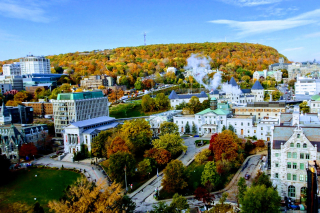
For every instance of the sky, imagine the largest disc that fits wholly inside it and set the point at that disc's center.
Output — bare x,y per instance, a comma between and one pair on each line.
47,27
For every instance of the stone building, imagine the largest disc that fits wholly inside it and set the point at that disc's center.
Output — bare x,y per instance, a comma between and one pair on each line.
279,66
302,69
277,75
93,82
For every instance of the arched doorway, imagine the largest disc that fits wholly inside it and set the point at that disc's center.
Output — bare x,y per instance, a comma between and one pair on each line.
292,191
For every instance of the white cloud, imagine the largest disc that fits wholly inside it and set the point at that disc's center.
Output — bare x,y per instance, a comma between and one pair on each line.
250,3
313,35
32,10
246,28
292,49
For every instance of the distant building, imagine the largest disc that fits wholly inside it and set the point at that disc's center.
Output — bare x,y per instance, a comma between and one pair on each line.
32,89
35,65
83,132
315,104
171,69
15,81
176,99
303,69
5,88
11,69
17,115
307,86
279,66
73,107
94,81
277,75
48,80
40,109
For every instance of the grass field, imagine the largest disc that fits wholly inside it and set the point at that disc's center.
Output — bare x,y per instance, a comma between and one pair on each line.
24,187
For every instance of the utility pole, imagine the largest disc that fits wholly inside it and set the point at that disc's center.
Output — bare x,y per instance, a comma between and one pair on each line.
125,177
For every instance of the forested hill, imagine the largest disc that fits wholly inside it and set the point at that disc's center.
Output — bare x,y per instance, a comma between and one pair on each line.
145,60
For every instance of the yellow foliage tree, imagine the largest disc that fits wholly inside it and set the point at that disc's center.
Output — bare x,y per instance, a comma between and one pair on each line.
79,90
202,156
101,87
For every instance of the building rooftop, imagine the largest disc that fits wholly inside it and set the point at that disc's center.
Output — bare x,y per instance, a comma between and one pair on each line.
233,82
216,111
257,85
92,121
174,95
80,95
242,116
101,128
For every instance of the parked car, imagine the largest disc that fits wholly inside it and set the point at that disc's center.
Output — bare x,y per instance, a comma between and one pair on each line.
247,176
196,136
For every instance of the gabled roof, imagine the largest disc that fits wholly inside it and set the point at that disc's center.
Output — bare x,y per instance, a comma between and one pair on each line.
216,111
246,90
174,95
257,85
233,82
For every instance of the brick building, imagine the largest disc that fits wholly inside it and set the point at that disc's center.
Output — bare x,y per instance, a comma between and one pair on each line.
40,108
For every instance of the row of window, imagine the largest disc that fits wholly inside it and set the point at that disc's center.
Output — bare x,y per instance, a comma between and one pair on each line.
294,155
298,145
294,165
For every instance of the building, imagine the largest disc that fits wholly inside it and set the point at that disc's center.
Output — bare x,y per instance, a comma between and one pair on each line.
5,88
15,81
16,115
279,66
307,86
171,69
262,109
176,99
11,69
315,104
32,89
35,65
83,132
14,135
303,69
277,75
156,120
73,107
40,109
48,80
94,81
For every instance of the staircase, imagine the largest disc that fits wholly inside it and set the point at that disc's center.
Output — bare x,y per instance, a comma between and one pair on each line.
68,158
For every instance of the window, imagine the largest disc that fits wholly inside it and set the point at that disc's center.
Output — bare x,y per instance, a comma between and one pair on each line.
289,155
261,128
301,166
248,124
294,155
301,155
276,175
277,154
241,123
294,177
298,145
307,156
306,178
294,165
292,191
301,178
298,135
289,165
255,131
304,145
277,164
291,145
288,176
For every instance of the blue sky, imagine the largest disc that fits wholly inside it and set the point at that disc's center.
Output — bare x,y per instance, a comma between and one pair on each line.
46,27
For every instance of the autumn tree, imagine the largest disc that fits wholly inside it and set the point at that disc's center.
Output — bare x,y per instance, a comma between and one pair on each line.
210,174
203,194
202,156
101,87
145,167
139,134
98,146
116,94
170,142
162,101
175,177
28,149
304,107
117,144
21,96
84,197
161,156
260,143
276,94
179,203
168,128
148,103
194,105
225,143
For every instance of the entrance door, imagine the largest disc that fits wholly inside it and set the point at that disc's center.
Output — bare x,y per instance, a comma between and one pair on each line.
74,150
181,129
241,131
268,138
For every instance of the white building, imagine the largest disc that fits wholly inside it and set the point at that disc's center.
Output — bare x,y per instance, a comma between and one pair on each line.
315,104
176,99
15,81
11,69
302,69
307,86
73,107
279,66
171,69
277,75
5,88
83,132
35,64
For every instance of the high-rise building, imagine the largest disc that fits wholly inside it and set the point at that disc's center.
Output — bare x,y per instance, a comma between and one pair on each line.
11,69
35,64
73,107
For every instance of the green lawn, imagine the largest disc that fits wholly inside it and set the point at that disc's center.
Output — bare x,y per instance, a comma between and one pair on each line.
48,185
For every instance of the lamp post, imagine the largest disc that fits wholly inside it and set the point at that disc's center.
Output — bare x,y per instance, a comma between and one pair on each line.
125,176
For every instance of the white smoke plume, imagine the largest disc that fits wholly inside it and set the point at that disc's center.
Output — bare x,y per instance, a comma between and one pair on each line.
228,88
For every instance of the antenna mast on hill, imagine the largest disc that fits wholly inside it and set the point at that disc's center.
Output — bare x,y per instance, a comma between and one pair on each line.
145,39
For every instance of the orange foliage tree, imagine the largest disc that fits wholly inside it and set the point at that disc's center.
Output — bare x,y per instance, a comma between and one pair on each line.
161,156
117,144
225,145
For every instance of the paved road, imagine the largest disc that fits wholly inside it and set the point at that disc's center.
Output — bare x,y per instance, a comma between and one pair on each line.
92,172
144,198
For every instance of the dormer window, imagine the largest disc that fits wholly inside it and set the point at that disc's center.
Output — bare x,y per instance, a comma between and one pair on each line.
298,135
304,145
291,145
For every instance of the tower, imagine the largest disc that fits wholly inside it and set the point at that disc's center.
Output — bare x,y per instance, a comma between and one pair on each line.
213,103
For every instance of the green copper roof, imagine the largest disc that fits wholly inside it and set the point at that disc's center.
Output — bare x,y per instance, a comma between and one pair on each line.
216,111
213,99
315,98
79,95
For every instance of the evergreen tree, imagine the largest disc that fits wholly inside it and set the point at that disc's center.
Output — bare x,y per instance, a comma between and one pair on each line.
231,128
223,128
187,128
194,128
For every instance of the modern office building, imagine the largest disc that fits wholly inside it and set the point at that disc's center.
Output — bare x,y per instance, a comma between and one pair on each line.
40,109
307,86
49,80
74,107
11,69
35,65
15,81
94,81
16,115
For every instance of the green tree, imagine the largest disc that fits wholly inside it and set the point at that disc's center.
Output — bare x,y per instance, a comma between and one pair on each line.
210,174
98,146
179,203
147,103
168,128
194,105
181,106
260,199
127,205
194,128
223,128
138,84
118,162
139,133
187,128
262,179
144,167
304,107
175,177
223,197
231,128
276,94
170,142
242,188
162,101
161,207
